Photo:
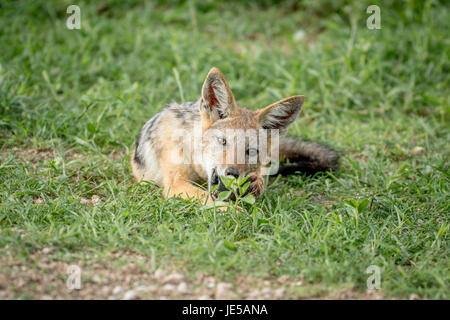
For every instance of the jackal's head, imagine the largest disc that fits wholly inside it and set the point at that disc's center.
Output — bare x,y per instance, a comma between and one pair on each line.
240,142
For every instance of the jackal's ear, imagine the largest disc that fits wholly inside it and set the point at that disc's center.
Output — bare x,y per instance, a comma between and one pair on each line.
217,99
281,114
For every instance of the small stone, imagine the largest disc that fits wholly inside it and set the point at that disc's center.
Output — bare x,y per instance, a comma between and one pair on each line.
38,201
145,288
414,297
378,296
46,250
85,201
284,278
223,290
299,283
210,282
105,290
427,170
95,200
267,292
168,288
118,290
299,35
159,274
173,278
130,295
96,278
418,150
278,293
204,298
46,297
182,288
255,294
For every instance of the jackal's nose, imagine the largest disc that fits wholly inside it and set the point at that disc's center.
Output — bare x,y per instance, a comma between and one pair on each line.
232,172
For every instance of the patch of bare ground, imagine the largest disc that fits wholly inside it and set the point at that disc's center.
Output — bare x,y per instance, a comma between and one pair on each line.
128,275
35,155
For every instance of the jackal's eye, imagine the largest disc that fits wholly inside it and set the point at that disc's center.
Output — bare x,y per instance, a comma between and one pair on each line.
221,141
252,152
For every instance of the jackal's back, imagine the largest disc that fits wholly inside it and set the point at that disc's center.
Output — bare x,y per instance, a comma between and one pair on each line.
156,135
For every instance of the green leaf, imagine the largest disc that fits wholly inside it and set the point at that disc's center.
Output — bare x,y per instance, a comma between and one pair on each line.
217,204
250,199
230,245
362,205
224,195
243,188
227,181
352,203
214,188
91,128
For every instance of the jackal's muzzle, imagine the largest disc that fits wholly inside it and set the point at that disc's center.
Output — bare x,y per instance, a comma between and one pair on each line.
256,186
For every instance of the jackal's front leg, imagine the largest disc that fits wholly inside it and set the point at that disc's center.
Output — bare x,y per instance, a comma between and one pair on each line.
186,190
176,183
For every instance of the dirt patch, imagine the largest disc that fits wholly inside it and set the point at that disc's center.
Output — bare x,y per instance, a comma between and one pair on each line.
31,155
125,275
35,155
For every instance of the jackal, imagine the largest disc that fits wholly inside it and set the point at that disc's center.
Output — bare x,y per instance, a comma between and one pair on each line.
216,129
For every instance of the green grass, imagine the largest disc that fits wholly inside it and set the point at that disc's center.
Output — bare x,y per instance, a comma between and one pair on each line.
80,97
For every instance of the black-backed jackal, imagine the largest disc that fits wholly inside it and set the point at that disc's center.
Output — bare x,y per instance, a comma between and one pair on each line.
202,140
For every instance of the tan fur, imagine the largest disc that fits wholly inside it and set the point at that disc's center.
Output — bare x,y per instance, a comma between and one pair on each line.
215,112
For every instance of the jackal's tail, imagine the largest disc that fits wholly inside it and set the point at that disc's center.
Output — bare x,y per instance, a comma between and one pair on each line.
305,157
